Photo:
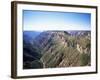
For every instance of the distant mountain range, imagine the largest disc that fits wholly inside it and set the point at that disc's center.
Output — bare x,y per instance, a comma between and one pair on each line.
79,33
49,49
30,35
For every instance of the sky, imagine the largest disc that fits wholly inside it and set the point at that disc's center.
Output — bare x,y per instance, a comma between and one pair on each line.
46,20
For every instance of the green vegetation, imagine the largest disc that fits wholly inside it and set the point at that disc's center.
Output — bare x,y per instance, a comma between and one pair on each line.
85,59
36,64
33,64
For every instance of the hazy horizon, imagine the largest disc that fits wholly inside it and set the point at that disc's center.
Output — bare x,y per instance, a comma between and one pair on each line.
33,34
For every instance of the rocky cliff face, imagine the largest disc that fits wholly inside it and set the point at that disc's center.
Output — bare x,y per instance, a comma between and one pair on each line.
61,49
